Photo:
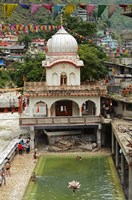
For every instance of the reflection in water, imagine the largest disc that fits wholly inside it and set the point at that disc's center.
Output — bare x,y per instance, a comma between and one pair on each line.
9,128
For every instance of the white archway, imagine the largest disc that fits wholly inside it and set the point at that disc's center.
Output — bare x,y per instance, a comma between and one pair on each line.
40,108
72,79
65,107
55,79
88,108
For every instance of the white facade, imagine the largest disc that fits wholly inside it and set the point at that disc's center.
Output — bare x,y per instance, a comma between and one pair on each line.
62,94
53,75
50,105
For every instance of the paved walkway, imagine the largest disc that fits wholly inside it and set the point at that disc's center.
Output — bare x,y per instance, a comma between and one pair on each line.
22,167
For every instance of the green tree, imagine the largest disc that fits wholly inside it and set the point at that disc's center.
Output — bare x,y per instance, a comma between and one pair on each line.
31,70
93,58
79,28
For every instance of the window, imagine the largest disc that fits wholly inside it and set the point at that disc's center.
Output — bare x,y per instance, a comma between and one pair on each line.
63,80
129,107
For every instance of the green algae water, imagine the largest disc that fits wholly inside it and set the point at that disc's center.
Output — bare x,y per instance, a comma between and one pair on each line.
96,174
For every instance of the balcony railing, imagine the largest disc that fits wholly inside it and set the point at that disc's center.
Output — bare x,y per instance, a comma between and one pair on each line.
41,89
59,121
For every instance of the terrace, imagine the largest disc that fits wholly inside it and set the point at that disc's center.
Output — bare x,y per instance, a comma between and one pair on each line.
41,89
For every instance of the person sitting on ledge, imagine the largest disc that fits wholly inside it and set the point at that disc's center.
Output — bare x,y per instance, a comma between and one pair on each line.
78,158
35,156
33,177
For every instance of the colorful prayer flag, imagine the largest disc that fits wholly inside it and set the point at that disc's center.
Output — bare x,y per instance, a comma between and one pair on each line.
90,9
8,9
69,9
101,9
111,10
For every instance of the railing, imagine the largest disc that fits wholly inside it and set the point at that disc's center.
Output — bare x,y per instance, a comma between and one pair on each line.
41,86
9,152
48,121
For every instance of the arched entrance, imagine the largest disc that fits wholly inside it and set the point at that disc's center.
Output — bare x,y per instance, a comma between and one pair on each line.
63,108
40,108
88,108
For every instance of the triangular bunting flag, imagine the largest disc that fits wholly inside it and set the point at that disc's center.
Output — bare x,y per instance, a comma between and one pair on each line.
69,9
57,9
124,6
48,6
101,9
130,6
111,10
83,6
90,9
25,6
8,9
35,8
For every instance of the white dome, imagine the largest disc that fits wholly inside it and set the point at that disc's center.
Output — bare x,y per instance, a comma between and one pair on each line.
62,42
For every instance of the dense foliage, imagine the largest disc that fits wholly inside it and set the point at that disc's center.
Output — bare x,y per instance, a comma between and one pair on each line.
30,70
93,58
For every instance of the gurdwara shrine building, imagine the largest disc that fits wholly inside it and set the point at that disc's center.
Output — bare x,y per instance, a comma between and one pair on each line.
62,102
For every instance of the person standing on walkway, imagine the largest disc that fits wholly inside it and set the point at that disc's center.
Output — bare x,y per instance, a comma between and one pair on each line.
20,148
0,179
27,145
3,175
7,167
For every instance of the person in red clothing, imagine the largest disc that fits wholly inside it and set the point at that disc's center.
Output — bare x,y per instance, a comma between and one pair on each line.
20,148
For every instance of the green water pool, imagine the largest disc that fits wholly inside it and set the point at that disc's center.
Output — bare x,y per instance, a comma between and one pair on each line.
96,174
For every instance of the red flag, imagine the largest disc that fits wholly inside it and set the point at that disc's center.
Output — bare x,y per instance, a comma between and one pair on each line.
90,8
83,6
124,6
48,6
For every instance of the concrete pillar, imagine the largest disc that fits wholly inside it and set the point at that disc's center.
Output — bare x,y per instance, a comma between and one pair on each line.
117,154
112,143
49,112
130,183
122,168
99,136
32,137
98,107
80,111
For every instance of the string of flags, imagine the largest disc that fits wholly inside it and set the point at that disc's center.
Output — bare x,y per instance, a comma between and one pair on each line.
8,69
16,29
67,9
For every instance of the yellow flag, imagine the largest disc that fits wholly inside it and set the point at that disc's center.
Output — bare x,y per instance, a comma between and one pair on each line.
8,9
130,6
69,9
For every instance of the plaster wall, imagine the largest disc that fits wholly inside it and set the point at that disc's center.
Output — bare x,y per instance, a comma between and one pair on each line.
53,74
127,113
119,110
